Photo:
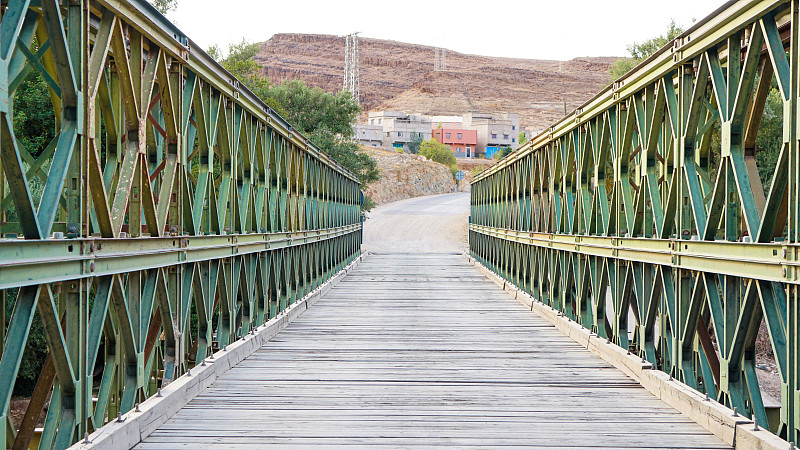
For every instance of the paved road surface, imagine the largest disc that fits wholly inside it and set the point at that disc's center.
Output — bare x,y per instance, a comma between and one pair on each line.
436,223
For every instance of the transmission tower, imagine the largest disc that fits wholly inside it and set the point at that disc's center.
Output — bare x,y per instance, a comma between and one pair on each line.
351,82
439,60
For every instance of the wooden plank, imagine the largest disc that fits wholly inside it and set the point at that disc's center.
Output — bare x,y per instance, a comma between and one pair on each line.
420,351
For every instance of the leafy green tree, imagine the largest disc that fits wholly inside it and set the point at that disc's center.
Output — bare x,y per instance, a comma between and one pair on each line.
641,51
522,139
502,153
438,152
326,119
413,146
164,6
34,119
770,136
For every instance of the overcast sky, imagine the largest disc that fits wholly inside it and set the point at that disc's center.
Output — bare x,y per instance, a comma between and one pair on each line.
550,29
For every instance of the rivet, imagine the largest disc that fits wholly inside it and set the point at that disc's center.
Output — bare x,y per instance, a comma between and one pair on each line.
86,438
203,363
735,412
707,399
119,417
137,408
755,423
188,372
158,393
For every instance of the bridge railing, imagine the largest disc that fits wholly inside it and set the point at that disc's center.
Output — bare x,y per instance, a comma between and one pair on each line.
170,213
656,216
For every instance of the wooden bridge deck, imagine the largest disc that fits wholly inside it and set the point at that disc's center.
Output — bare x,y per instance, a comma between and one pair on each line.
422,350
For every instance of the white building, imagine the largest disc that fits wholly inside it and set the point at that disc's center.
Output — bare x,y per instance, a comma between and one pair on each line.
400,128
495,131
369,135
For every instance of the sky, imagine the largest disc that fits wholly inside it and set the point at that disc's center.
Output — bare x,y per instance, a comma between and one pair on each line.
535,29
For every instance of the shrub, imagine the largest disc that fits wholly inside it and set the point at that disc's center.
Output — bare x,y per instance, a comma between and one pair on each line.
438,152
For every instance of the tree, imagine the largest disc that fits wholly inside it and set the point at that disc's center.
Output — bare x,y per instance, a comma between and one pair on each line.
413,146
641,51
522,139
438,152
326,119
165,6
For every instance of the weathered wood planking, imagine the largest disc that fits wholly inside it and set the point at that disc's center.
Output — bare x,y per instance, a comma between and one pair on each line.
420,351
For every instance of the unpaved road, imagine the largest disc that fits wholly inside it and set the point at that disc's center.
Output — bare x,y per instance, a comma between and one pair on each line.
436,223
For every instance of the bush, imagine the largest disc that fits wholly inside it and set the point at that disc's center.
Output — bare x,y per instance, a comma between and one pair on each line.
438,152
368,203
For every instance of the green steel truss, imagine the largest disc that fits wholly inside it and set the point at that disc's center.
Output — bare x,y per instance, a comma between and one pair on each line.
642,215
172,213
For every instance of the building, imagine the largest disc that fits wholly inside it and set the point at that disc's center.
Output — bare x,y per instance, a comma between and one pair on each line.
369,135
400,128
495,131
447,122
461,142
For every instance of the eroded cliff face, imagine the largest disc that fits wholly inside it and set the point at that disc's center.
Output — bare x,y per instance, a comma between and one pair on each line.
405,175
399,76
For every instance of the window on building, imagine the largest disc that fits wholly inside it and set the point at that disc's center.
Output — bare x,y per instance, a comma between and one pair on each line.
399,134
513,140
505,136
459,135
388,134
448,135
513,127
494,135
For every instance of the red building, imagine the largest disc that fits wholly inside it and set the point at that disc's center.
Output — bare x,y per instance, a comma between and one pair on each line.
461,142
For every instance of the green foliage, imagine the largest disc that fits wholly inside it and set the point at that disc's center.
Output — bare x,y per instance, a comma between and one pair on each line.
413,146
641,51
164,6
35,350
770,137
369,203
34,120
502,153
522,139
438,152
326,119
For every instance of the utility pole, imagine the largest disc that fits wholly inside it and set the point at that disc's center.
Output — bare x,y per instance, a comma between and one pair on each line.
439,59
351,81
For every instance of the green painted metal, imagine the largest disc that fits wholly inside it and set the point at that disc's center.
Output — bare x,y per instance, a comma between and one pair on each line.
173,212
642,216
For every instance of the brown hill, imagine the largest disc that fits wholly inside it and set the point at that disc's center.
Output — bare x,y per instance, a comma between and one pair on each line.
400,76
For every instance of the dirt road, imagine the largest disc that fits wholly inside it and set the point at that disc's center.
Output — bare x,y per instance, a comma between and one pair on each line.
436,223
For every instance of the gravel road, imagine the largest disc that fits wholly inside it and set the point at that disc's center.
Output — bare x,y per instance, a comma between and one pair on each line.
435,223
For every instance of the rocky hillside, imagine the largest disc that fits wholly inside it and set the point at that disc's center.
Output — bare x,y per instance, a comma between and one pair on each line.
400,76
404,175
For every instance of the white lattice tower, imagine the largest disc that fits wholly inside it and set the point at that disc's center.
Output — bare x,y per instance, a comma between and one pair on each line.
356,83
346,82
351,81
